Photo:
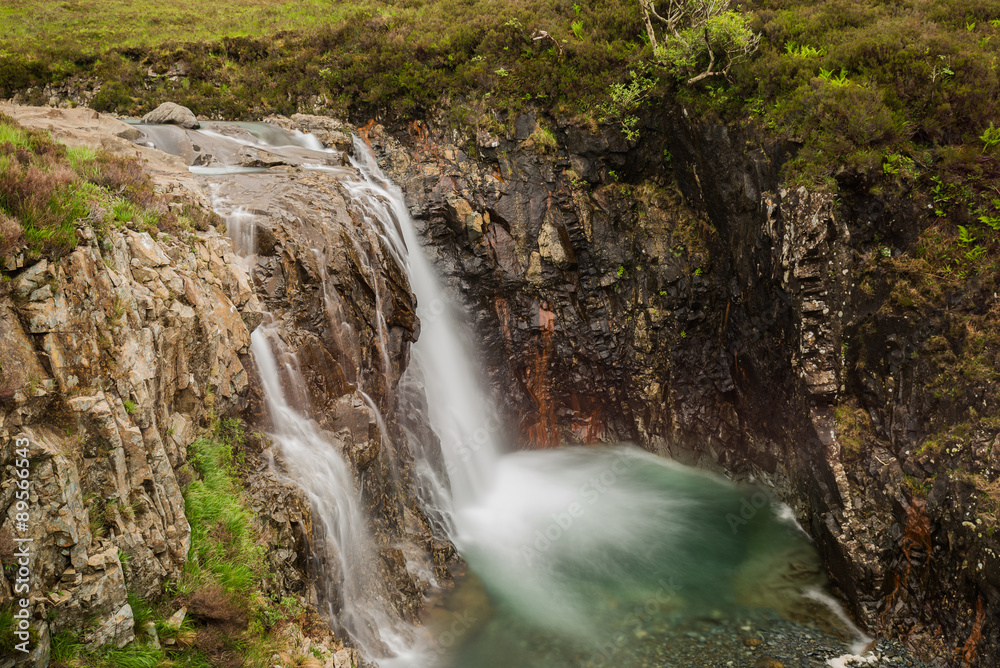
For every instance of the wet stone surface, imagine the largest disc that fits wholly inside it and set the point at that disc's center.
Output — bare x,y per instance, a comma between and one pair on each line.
753,638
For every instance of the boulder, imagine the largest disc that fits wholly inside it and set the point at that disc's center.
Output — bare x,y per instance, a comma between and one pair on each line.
170,113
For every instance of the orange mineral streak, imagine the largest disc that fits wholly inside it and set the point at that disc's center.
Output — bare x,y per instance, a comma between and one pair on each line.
365,130
968,652
502,309
543,433
917,534
418,131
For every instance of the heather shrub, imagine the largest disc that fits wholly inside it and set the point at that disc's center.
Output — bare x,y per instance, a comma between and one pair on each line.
11,235
46,189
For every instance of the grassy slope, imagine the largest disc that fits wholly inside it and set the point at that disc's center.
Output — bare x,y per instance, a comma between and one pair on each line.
91,25
47,187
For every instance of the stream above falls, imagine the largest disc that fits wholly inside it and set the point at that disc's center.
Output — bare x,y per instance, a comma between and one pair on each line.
590,556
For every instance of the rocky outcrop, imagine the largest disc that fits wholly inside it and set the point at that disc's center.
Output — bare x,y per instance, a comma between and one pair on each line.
342,304
113,356
113,360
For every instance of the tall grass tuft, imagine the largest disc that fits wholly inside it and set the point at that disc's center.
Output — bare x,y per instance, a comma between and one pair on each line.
223,546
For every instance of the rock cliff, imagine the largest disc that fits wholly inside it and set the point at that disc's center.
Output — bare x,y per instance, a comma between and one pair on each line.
118,356
670,292
674,293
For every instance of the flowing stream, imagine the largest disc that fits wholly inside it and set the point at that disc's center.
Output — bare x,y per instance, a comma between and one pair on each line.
596,556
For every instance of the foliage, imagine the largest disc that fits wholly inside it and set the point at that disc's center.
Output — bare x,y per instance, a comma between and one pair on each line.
46,189
930,73
389,61
66,646
701,38
990,137
624,101
8,627
223,545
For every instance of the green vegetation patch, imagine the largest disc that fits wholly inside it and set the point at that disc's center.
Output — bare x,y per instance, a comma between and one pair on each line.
387,60
47,189
230,620
223,545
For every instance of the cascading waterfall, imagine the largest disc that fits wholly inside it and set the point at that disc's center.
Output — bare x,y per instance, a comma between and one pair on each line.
317,467
586,556
579,548
347,554
344,551
459,410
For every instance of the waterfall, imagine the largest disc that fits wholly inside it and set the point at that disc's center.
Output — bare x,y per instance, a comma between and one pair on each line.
344,553
579,551
343,548
442,364
316,465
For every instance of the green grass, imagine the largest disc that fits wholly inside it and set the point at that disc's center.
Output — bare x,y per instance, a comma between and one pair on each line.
15,136
66,647
133,655
8,641
223,544
47,189
392,59
94,24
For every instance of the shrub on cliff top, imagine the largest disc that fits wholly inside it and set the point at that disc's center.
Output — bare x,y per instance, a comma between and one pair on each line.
47,188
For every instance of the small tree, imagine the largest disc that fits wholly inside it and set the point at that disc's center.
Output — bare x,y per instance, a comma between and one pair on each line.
698,38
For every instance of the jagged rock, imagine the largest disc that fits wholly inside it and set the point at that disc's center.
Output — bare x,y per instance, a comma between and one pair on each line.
118,630
132,334
346,658
553,247
171,113
149,635
177,618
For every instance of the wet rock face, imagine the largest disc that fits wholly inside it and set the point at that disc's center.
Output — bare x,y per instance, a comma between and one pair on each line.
590,299
342,304
336,296
697,307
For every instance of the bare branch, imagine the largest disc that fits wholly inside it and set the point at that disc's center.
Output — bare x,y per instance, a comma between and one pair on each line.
711,61
543,34
646,4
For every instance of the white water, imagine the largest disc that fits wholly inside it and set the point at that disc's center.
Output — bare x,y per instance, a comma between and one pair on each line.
565,542
459,410
343,549
316,465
